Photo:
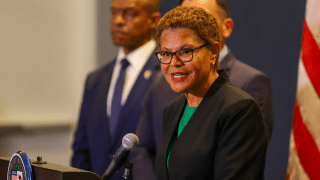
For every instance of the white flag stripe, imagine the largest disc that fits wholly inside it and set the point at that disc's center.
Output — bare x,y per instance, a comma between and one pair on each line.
313,19
313,14
309,105
303,78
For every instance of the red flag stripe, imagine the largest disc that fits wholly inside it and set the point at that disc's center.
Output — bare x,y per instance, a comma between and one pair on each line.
311,57
306,148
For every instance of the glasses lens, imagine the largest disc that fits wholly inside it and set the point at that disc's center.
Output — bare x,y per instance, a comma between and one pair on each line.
165,57
185,54
159,56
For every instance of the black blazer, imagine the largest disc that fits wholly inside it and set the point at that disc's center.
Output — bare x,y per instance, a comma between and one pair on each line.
226,138
149,128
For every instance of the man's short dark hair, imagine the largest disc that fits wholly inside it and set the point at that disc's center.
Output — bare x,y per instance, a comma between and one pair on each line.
179,2
222,3
151,5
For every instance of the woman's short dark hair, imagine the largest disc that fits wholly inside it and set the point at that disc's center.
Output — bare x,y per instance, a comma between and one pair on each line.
193,18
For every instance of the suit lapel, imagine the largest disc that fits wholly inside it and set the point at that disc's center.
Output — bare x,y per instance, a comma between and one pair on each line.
141,85
102,102
99,123
137,92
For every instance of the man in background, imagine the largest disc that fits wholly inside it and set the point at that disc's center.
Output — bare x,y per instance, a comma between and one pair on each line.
111,104
247,78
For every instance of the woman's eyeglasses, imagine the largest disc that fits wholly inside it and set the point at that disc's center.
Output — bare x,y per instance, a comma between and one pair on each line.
184,55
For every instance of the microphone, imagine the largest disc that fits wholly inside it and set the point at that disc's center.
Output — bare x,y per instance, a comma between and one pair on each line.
129,142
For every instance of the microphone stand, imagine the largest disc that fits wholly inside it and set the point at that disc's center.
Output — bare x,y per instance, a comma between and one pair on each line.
127,170
128,165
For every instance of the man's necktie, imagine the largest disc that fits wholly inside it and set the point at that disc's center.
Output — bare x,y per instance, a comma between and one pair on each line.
116,100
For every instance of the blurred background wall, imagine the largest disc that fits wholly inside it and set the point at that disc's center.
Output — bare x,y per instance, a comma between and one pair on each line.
48,47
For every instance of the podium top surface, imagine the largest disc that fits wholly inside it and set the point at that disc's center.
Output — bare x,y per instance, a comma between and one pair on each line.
50,171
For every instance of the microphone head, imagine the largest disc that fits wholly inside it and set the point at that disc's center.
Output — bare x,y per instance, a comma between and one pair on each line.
130,141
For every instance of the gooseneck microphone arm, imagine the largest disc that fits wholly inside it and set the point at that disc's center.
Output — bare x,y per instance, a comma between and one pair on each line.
129,142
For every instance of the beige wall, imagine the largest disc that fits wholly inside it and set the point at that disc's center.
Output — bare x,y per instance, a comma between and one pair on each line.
47,47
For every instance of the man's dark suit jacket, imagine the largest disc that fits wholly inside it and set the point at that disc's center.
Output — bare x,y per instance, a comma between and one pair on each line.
149,129
226,137
93,147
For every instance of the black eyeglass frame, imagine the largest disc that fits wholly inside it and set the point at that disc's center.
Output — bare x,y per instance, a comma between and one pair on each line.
174,53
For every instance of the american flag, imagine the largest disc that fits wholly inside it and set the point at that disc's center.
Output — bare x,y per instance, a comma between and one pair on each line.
16,175
304,150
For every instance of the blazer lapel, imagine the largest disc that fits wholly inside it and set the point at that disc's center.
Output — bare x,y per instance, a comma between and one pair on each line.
203,106
170,132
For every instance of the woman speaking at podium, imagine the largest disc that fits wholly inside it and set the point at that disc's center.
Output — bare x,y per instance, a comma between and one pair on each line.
213,130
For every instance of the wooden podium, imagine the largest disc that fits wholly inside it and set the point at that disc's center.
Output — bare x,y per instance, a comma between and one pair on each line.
50,171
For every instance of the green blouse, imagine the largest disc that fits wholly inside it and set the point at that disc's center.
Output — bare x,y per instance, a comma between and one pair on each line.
187,114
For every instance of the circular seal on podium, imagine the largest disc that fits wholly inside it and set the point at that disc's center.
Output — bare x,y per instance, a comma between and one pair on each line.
19,167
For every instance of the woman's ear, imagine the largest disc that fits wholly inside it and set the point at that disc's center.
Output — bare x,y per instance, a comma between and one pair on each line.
214,50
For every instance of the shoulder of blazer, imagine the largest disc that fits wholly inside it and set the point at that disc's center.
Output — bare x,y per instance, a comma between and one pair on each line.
95,77
234,66
241,66
228,62
153,62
